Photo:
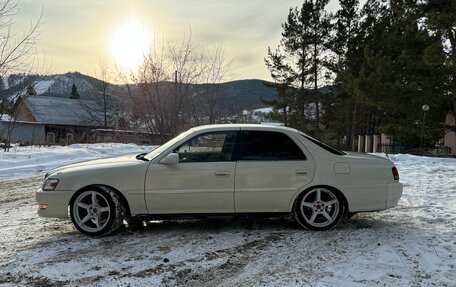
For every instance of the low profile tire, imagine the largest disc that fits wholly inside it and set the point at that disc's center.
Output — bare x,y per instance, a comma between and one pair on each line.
319,209
97,211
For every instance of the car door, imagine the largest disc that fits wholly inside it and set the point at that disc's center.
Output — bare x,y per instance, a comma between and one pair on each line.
202,181
271,167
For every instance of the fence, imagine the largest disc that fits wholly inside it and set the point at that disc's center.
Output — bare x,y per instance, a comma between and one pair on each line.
391,148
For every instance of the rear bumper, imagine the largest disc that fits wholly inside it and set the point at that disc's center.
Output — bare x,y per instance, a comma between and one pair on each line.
394,194
57,203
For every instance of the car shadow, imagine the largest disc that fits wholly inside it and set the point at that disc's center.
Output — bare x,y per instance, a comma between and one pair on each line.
284,223
144,225
63,230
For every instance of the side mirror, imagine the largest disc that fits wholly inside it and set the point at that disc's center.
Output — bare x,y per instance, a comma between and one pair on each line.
172,158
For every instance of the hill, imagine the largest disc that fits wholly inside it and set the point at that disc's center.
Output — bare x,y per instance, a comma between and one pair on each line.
50,85
237,95
245,94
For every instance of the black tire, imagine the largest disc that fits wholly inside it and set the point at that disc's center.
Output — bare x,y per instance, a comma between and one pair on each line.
106,199
348,216
135,222
319,215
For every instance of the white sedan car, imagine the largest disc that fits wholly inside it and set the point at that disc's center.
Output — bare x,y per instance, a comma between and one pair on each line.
223,169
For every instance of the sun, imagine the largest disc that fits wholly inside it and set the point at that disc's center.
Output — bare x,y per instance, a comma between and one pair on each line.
130,42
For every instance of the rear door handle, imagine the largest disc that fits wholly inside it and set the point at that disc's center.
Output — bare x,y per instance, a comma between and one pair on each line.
222,173
302,172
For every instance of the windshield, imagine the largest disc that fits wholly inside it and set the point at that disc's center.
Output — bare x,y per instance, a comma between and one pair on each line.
323,145
153,154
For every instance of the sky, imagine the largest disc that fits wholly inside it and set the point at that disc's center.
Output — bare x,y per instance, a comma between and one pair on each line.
75,35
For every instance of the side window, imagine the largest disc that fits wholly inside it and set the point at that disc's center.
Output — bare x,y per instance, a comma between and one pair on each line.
209,147
259,145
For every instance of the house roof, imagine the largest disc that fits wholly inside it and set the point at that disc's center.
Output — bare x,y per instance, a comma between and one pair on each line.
63,111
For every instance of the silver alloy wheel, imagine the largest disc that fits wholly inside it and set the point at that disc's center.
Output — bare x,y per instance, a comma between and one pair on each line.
91,211
320,207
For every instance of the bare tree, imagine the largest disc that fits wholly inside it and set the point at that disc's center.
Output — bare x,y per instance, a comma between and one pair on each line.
161,89
101,109
15,52
17,55
163,93
102,75
188,67
215,70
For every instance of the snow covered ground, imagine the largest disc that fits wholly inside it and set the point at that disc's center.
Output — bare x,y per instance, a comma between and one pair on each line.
413,244
31,160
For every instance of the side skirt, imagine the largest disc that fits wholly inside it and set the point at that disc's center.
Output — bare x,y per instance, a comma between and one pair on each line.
212,216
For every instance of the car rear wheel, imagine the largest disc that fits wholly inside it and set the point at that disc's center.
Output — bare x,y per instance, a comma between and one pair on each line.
319,209
97,211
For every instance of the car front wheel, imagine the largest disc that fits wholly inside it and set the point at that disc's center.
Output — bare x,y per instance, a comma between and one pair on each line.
97,211
319,209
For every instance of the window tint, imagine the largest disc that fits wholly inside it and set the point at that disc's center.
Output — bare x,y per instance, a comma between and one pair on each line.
259,145
208,147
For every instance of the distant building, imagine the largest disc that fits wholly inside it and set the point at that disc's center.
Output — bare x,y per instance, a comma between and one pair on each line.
450,135
62,120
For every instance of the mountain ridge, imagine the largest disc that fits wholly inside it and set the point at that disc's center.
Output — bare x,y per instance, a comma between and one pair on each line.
237,95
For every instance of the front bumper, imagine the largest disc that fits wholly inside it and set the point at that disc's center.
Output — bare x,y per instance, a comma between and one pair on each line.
57,203
394,194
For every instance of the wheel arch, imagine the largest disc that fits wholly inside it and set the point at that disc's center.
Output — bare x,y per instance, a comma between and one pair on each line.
123,199
332,188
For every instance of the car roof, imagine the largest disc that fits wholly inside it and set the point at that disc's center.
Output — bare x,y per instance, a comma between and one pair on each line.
239,126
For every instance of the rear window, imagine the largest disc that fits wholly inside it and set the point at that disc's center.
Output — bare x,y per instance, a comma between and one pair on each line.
323,145
268,146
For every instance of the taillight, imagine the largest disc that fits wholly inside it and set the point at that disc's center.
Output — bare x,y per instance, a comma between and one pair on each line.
395,173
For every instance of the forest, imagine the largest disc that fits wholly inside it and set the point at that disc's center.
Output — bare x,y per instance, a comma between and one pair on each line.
367,69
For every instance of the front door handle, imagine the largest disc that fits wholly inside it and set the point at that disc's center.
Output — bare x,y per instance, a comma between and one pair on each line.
302,172
222,173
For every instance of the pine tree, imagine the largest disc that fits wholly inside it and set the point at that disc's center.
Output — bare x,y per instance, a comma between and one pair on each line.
341,104
401,71
388,58
74,92
282,74
441,18
299,59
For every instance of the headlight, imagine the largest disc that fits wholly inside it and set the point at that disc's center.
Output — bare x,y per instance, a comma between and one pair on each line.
50,184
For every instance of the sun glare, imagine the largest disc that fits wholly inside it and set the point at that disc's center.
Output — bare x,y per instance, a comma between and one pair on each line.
130,42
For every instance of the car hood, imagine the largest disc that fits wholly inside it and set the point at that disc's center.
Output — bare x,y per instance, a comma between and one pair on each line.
118,161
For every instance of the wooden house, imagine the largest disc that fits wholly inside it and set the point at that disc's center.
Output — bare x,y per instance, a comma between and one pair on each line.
65,120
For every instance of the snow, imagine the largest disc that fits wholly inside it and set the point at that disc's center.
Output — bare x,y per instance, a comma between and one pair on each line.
259,116
43,86
272,123
412,244
32,160
266,110
5,83
427,216
5,117
14,97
